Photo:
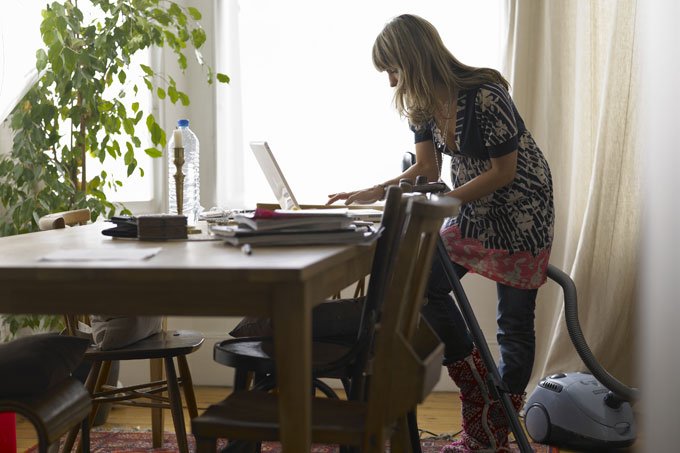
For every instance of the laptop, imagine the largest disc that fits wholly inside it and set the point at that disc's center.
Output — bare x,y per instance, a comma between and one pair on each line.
282,191
275,178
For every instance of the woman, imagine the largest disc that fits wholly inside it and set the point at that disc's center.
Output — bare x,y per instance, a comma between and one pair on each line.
505,226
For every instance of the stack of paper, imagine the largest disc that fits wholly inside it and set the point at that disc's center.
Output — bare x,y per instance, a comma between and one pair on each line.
287,227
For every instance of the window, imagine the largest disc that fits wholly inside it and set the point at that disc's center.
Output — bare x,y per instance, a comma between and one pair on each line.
306,84
18,73
19,39
136,191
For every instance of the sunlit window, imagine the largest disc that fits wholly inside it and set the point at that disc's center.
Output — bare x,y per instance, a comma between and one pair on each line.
19,39
135,188
310,89
18,73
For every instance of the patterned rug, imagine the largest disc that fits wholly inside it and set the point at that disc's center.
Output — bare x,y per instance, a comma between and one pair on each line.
140,442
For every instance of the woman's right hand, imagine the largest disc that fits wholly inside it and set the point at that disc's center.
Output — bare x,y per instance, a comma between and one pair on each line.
363,196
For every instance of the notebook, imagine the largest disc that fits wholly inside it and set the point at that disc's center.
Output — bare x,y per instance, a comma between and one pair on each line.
282,191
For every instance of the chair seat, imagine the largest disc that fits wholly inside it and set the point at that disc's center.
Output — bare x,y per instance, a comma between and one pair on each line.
257,354
53,412
254,415
163,344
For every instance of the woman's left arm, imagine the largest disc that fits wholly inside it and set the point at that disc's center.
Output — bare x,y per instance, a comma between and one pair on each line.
501,173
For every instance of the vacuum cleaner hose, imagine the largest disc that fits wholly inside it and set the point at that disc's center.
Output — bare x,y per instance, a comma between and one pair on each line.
619,389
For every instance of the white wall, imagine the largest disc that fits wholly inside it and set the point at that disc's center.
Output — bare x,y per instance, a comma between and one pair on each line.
660,310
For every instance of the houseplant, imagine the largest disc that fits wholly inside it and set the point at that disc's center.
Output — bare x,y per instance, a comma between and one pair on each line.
74,110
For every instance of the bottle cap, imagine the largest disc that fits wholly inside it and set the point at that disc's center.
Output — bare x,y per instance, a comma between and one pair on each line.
183,123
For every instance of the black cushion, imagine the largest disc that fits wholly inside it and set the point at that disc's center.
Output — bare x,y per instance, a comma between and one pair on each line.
35,363
333,318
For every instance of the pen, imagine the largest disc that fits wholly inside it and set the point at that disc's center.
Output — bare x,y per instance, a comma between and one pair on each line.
247,249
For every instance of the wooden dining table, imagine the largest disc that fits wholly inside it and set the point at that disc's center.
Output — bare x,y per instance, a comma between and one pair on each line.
187,278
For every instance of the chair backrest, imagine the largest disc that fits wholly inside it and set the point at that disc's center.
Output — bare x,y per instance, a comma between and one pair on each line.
381,271
407,358
383,261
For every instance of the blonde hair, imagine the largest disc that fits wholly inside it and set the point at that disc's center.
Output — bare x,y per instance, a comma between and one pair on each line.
412,46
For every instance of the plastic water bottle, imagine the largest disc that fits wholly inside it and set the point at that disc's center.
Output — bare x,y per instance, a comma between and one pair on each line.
191,205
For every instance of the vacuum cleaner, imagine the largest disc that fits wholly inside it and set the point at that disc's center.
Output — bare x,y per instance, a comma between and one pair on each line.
580,411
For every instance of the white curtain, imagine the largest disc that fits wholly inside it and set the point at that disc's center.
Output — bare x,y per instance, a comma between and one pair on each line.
572,66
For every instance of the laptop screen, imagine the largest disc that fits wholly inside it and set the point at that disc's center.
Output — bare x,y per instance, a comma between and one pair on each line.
272,171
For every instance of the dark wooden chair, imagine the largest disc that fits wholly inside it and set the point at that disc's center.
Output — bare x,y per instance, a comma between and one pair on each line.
36,382
161,349
54,412
340,358
403,369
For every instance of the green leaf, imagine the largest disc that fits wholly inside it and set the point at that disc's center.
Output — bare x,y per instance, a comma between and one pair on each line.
128,126
153,152
223,78
198,37
147,70
195,14
160,92
41,59
105,106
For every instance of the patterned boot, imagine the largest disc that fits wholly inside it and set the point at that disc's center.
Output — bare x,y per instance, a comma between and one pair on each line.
485,428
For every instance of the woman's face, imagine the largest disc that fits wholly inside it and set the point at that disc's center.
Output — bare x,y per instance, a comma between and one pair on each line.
393,76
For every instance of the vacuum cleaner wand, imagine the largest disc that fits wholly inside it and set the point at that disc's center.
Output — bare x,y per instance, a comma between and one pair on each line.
496,385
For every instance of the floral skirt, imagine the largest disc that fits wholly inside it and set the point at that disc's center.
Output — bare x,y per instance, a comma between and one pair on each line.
521,269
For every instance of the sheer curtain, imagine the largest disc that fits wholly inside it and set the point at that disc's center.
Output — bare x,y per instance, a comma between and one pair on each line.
302,79
573,71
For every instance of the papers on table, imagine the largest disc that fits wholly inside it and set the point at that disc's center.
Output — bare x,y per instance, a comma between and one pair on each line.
104,254
239,236
316,219
294,227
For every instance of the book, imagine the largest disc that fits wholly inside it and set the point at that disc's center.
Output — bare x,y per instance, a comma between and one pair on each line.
161,226
148,227
236,235
313,219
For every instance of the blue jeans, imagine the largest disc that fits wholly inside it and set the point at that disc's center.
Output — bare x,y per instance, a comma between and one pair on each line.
515,317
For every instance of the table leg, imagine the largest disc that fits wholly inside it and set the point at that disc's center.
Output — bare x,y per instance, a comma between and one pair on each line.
293,349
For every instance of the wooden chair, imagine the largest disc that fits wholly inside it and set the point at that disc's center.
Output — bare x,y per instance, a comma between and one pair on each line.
403,370
340,358
54,412
161,349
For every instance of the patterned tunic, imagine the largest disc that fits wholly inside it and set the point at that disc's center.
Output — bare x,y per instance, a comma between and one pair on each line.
506,235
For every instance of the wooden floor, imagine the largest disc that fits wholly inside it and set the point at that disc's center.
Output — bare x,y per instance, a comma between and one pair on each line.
439,415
